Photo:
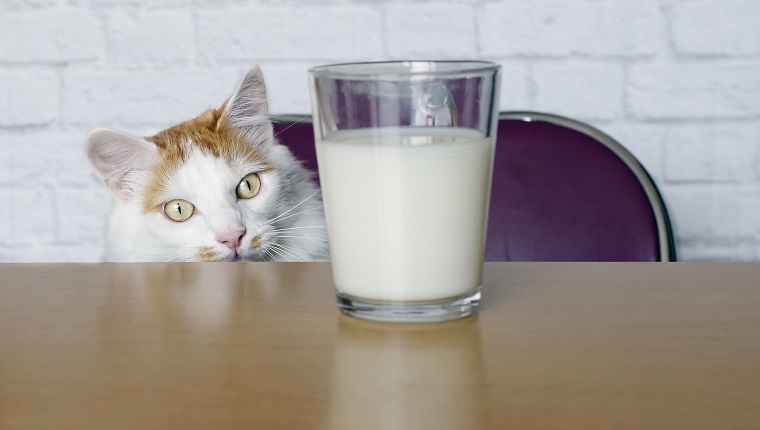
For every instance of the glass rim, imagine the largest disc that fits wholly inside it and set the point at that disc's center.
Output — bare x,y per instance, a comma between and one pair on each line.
368,69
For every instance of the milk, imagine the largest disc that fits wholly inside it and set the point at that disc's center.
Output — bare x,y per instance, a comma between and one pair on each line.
406,210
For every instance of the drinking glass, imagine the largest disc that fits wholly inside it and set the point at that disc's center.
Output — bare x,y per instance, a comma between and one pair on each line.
405,155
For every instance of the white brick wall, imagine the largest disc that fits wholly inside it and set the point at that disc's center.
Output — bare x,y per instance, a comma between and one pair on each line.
29,97
677,81
695,89
591,91
717,28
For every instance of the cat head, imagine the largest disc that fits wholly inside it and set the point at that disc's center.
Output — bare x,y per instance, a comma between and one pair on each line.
208,189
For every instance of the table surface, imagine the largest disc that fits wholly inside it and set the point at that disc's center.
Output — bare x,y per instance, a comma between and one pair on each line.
261,345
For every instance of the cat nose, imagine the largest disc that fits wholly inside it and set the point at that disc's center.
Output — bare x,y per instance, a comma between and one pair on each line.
231,239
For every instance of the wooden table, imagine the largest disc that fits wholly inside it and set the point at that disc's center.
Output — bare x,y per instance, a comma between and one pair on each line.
262,346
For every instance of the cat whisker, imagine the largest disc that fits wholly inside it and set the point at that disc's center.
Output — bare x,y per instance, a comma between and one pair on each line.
302,237
273,256
277,230
281,217
278,252
172,260
287,250
268,256
308,255
271,220
292,124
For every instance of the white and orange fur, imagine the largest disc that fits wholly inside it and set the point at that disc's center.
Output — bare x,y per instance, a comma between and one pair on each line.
202,161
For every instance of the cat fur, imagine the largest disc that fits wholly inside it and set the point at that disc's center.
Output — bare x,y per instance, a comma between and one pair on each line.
202,161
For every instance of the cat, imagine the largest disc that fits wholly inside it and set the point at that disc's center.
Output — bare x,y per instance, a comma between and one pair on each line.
215,188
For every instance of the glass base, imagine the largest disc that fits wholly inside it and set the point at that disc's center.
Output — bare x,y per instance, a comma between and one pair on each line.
410,312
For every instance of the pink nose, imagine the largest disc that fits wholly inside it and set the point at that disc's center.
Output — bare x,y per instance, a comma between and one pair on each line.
232,239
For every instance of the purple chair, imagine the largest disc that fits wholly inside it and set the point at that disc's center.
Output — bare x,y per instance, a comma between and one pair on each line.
562,191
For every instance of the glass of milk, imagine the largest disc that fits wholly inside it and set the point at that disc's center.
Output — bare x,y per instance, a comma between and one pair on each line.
405,154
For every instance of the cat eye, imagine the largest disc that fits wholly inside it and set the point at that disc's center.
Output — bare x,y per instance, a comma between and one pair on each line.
179,210
249,186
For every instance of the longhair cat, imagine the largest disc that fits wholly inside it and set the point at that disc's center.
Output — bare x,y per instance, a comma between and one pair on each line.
215,188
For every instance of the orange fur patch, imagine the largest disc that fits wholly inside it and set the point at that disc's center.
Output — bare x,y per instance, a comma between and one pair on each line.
208,254
256,242
208,132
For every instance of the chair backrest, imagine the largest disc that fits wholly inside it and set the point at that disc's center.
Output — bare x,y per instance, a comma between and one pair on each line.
562,191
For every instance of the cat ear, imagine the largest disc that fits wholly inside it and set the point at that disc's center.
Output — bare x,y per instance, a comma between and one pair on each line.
247,109
120,159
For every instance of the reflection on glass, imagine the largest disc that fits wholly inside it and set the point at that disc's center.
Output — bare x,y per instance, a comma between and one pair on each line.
407,376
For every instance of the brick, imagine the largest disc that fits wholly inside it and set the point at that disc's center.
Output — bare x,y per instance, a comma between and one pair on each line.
19,4
5,215
33,213
52,253
700,90
514,93
446,31
714,212
552,28
82,214
519,28
49,35
164,4
38,164
31,205
326,32
287,87
736,210
689,207
716,28
712,153
5,161
102,98
717,251
137,38
53,157
32,160
29,97
623,29
580,91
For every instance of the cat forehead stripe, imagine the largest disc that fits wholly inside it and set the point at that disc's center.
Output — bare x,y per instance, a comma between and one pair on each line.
209,133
